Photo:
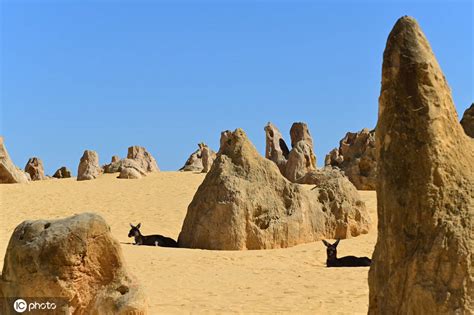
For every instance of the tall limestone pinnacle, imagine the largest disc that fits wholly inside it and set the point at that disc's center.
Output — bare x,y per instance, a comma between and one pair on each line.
422,263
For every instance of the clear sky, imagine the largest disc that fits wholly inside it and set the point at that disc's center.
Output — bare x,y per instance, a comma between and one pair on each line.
104,75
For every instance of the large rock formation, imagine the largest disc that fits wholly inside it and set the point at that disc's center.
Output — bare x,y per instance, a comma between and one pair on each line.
62,172
422,263
301,159
276,149
467,121
35,168
143,157
245,203
208,156
9,173
356,157
75,259
89,166
131,169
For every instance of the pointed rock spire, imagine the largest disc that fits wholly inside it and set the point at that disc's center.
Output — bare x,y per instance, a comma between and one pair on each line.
422,263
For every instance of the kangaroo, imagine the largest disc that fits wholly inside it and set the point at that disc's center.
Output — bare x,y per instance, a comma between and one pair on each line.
150,240
347,261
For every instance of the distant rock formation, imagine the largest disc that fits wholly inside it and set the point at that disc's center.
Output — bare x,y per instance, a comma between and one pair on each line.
422,263
9,173
195,161
276,149
75,259
89,166
114,166
356,158
245,203
115,158
144,158
62,172
208,156
467,121
35,168
301,159
131,169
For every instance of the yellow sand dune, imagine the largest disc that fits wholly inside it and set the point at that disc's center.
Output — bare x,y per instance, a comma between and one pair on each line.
293,280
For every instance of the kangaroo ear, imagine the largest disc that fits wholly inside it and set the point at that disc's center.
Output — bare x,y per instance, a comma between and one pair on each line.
326,243
139,225
131,225
337,242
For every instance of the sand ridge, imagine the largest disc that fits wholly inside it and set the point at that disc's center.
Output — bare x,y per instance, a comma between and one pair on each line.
292,280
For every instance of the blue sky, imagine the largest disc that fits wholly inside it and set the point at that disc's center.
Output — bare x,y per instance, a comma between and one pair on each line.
104,75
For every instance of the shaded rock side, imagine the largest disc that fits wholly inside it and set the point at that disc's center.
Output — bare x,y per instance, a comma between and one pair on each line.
89,166
75,259
467,121
276,149
62,172
245,203
9,173
35,168
144,158
422,263
356,158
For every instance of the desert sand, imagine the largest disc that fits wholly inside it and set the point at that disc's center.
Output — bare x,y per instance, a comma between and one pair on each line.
291,280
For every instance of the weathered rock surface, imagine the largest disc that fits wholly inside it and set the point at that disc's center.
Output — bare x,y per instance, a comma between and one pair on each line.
246,203
276,149
9,173
422,263
144,158
76,259
89,166
208,156
62,172
35,168
356,158
131,169
467,121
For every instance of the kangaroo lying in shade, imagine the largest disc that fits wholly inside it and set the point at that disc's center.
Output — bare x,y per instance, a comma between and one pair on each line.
347,261
150,240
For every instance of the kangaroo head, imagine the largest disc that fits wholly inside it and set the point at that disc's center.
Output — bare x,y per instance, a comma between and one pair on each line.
331,249
135,230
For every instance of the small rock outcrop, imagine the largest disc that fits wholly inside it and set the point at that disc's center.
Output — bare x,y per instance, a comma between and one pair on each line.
114,166
356,158
276,149
144,158
245,202
301,159
422,263
89,166
195,161
35,168
467,121
131,169
208,156
9,173
62,172
75,259
115,158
